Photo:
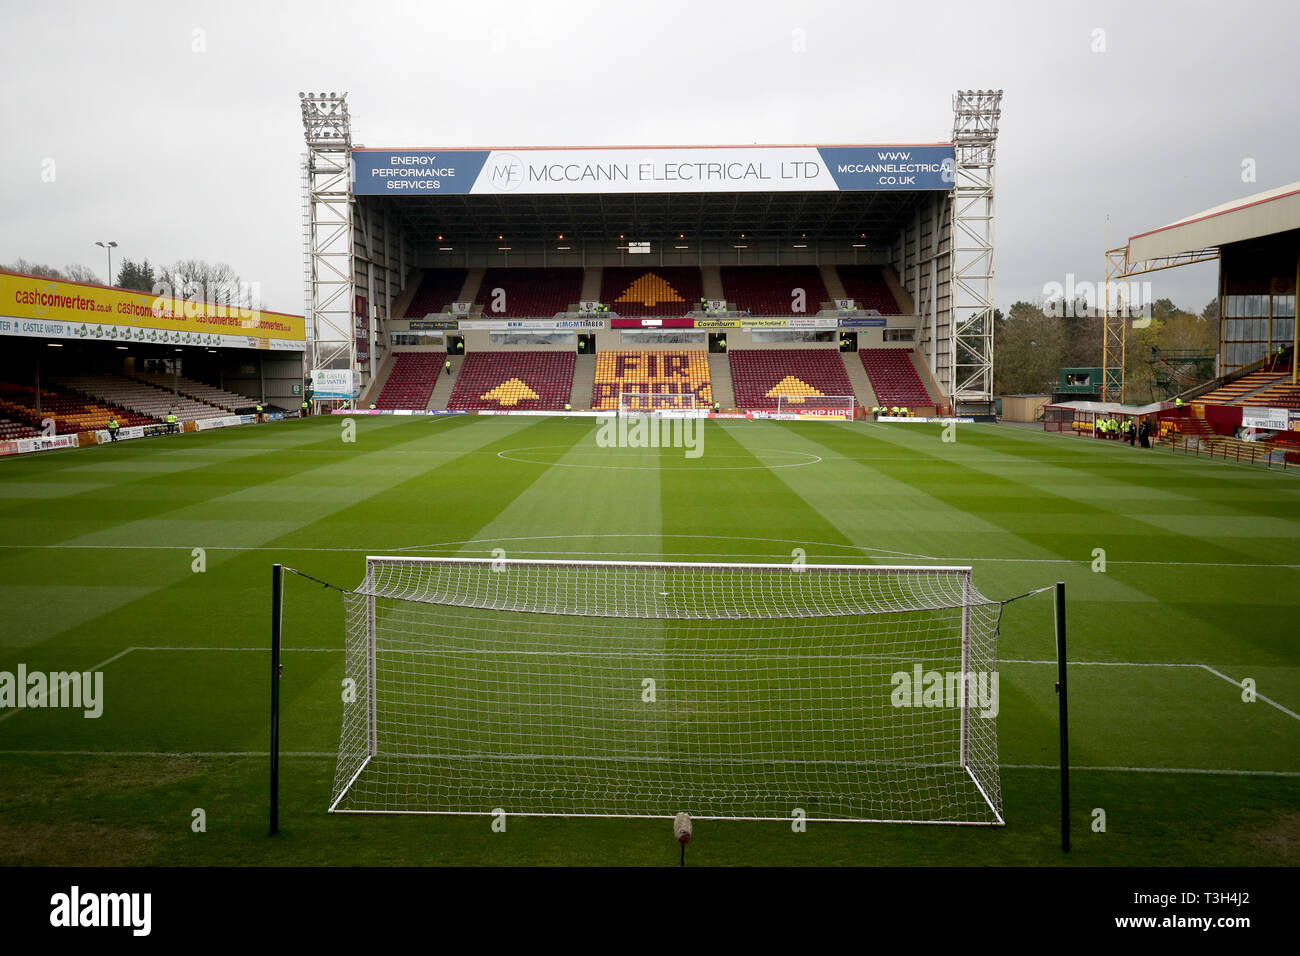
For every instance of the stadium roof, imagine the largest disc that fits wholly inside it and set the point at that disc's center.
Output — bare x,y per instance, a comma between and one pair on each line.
1263,214
871,217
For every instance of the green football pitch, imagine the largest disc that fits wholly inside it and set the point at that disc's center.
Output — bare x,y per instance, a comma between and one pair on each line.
1182,577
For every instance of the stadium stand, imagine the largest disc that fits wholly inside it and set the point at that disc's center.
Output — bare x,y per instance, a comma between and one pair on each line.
651,292
1234,391
768,290
867,288
411,381
153,401
199,391
1282,395
894,378
9,431
658,372
761,376
438,289
71,413
529,292
517,380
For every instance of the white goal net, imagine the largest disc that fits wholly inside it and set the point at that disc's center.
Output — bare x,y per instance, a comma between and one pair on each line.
645,403
814,406
745,691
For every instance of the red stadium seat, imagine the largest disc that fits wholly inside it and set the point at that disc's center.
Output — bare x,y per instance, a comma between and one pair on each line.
411,381
528,292
671,291
761,376
770,290
894,378
514,380
867,288
438,289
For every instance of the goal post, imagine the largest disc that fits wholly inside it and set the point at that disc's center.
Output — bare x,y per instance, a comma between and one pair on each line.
852,693
816,406
646,403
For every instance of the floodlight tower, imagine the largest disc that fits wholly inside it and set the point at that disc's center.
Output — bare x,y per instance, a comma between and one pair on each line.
327,230
974,135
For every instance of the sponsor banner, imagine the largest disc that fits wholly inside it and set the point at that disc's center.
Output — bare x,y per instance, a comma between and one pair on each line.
225,421
334,384
682,323
39,307
398,411
756,169
940,420
1274,419
362,331
789,322
433,325
674,413
22,446
825,416
549,412
814,322
131,431
729,415
862,322
525,325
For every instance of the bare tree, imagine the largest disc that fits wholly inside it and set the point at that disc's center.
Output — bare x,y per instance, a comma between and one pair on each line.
79,273
34,269
200,281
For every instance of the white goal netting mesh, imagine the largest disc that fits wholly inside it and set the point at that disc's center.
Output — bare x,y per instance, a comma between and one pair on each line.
643,402
620,689
813,405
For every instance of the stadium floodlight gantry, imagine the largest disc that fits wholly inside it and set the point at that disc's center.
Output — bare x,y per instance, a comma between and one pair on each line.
537,247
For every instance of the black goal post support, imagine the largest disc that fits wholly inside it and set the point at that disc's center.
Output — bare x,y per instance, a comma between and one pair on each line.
1064,716
277,609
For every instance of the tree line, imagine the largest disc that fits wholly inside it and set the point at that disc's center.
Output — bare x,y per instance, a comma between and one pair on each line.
188,278
1032,343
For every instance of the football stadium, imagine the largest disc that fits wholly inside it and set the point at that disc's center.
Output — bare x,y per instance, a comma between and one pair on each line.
619,498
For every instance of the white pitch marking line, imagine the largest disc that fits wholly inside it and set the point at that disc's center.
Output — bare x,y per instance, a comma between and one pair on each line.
323,754
1205,667
1289,713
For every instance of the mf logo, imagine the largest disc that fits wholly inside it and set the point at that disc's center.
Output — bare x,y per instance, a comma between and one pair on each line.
506,172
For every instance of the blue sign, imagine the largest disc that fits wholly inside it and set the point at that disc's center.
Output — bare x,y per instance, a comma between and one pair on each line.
890,167
415,172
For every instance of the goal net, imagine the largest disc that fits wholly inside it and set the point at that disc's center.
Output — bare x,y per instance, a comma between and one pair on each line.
823,406
744,691
645,403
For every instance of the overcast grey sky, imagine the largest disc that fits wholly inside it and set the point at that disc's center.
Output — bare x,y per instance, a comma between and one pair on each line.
178,144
